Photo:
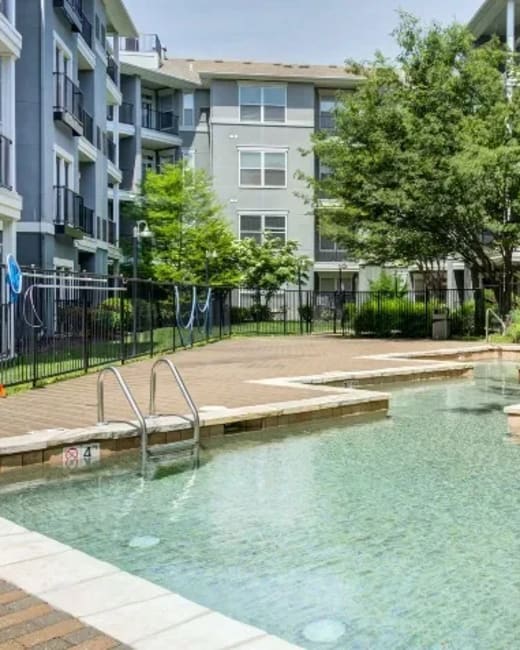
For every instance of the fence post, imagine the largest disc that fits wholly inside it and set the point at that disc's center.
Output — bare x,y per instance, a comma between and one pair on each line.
151,314
308,320
426,312
34,355
122,323
220,314
85,332
174,319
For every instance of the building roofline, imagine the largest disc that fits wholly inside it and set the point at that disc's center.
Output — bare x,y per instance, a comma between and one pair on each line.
156,76
119,17
485,16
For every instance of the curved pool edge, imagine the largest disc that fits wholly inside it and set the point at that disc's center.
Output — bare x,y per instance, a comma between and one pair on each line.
133,611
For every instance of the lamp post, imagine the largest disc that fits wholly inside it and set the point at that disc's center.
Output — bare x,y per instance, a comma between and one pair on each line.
140,231
210,255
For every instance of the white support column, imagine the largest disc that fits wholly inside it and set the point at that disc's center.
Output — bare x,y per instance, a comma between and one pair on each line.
510,26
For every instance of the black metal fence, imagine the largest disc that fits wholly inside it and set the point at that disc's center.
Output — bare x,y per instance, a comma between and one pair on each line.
63,322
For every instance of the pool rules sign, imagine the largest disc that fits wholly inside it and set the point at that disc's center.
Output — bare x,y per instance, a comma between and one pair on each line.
81,456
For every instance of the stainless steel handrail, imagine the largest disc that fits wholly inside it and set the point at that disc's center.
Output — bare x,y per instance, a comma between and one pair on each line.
133,405
490,312
185,393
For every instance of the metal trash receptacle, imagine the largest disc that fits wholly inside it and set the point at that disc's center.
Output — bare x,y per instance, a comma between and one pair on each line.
440,326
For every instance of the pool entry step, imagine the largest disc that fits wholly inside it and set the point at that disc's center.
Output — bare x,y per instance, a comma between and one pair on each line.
159,454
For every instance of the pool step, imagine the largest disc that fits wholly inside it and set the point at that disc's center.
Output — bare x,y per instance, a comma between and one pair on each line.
182,448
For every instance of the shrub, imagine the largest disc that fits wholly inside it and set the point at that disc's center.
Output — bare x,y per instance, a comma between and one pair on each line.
306,313
261,313
387,316
463,319
107,317
513,332
240,315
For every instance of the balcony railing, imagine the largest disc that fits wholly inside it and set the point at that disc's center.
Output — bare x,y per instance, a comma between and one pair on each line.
165,121
112,69
71,217
126,113
72,10
112,232
86,29
143,43
111,150
68,102
88,127
5,163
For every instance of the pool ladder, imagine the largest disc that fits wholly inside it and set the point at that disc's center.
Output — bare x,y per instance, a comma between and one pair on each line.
190,446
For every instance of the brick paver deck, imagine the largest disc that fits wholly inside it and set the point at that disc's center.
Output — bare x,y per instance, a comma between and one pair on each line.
28,622
216,374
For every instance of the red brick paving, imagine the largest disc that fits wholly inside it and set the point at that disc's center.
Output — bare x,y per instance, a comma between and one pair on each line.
28,622
216,374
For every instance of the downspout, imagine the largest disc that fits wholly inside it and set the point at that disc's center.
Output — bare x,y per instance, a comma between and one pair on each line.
43,117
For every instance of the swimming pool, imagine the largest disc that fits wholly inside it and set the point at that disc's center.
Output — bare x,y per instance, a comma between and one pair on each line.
403,532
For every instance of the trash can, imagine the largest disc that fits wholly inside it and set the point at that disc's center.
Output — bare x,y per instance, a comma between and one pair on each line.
440,325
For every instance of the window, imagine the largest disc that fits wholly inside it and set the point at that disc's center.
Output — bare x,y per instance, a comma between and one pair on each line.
329,245
263,168
262,103
257,226
327,108
188,108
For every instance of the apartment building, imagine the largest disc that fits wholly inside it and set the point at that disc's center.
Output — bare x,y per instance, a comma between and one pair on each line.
10,200
246,124
67,158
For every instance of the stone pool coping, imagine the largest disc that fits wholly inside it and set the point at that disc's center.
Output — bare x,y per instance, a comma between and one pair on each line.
46,446
125,607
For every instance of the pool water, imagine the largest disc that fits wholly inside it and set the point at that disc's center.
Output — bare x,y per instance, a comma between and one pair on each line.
399,533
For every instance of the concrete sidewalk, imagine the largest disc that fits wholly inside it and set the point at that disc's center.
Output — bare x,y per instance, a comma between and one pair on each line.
216,374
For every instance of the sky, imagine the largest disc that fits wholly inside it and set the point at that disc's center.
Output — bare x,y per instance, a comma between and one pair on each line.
292,31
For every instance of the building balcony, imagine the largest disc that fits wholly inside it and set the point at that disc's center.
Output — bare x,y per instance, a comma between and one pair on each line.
143,43
72,10
71,217
112,232
112,69
68,103
86,30
126,114
5,163
10,38
165,121
160,129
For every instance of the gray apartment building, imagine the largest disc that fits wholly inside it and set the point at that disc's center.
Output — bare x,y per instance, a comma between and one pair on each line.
67,160
246,124
10,199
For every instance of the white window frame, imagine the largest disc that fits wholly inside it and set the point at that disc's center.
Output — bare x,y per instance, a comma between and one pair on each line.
188,93
263,151
65,157
262,87
262,214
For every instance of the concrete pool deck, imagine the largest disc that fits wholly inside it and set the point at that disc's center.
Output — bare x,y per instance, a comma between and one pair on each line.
248,383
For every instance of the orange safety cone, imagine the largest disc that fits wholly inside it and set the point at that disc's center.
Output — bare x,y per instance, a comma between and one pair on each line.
3,392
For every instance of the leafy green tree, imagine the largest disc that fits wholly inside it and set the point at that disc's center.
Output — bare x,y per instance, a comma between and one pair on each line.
193,243
425,159
270,265
390,284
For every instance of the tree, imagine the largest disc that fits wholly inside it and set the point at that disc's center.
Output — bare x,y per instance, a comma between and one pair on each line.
193,243
425,160
269,265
